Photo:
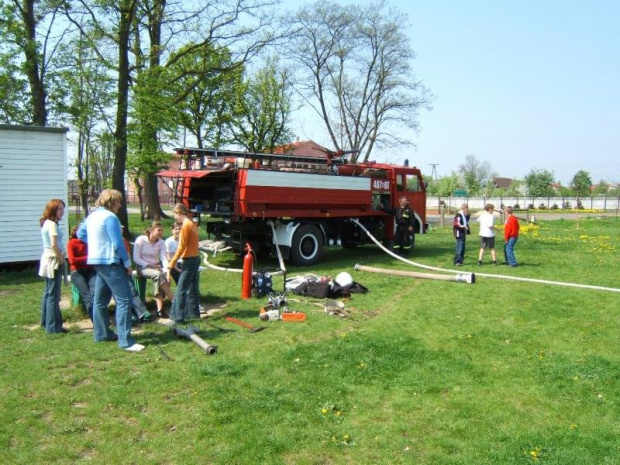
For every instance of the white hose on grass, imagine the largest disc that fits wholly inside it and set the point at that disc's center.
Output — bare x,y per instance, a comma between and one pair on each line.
486,275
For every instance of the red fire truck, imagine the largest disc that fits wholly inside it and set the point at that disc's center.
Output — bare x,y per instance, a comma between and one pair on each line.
300,203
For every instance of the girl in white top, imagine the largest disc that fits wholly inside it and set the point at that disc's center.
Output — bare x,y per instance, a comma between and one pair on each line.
52,265
149,254
172,244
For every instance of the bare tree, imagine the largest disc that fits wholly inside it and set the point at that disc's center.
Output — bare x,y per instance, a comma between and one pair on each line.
476,174
357,74
88,99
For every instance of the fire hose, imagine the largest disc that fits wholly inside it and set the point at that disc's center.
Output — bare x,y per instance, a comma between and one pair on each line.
459,278
486,275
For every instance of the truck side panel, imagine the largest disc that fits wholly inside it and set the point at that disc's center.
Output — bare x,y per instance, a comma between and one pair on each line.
272,194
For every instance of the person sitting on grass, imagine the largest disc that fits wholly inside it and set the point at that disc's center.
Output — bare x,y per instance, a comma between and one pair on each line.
149,256
172,244
83,275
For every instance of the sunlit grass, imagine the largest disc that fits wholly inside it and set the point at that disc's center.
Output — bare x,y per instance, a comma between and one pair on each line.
425,372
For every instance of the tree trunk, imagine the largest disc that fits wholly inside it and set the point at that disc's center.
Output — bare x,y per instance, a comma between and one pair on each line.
138,186
127,8
32,63
82,172
153,206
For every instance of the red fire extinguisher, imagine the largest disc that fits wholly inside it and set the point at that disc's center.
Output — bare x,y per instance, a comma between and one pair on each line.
246,284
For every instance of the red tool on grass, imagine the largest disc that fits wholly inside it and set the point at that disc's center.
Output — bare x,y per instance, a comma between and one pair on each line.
253,329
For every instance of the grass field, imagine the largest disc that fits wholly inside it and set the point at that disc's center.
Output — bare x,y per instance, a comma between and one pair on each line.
423,372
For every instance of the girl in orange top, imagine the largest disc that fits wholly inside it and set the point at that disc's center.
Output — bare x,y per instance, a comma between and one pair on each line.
186,298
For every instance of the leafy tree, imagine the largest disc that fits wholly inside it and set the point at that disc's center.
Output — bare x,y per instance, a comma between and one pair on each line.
517,188
614,190
262,114
13,92
540,183
431,185
446,185
564,191
133,37
602,188
581,183
32,31
476,174
238,28
356,66
207,107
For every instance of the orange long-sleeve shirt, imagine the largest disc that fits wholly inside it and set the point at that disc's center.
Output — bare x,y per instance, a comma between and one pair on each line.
188,242
511,228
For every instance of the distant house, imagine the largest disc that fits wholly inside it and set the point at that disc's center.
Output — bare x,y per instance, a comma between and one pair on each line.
503,183
307,148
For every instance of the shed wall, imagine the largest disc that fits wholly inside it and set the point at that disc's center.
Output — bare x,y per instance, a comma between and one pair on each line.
33,170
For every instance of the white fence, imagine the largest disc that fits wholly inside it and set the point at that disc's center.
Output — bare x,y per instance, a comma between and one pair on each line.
542,203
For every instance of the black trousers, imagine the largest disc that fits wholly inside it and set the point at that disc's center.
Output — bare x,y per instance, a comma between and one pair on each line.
402,239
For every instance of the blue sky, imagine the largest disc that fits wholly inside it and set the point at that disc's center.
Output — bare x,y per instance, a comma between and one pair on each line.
523,85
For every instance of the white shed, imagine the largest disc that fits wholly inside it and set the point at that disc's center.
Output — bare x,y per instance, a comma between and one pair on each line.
33,170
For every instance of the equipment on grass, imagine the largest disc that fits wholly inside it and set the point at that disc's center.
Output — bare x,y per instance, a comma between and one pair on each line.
293,316
252,329
277,300
269,315
335,307
190,333
248,262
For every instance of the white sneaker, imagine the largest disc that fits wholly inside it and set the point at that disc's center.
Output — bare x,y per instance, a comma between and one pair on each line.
135,348
201,309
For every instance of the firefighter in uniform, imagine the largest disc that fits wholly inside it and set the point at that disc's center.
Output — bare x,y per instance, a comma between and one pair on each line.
405,221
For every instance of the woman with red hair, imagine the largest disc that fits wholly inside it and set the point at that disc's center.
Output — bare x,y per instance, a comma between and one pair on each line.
52,266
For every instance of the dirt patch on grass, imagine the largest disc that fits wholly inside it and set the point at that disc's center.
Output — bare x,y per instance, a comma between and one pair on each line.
86,326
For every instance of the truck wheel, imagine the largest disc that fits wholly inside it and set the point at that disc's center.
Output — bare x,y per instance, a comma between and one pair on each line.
307,245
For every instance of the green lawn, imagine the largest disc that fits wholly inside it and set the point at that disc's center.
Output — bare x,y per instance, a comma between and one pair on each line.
424,372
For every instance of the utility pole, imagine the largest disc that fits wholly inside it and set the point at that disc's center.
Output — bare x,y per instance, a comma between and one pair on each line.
434,172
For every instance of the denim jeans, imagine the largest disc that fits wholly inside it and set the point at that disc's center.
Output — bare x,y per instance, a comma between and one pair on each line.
112,281
459,253
51,318
85,280
187,296
509,251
